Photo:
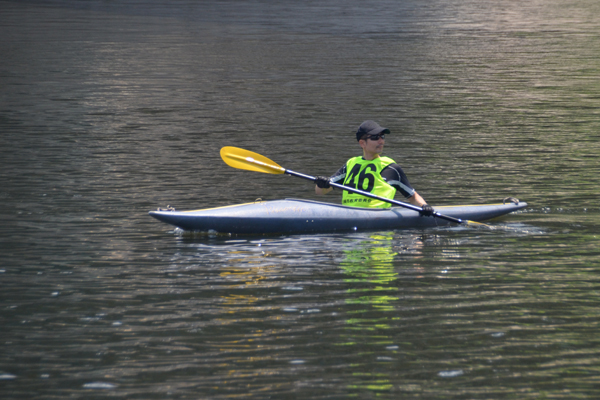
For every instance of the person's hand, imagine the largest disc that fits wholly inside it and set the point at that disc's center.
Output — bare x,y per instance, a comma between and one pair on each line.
322,182
427,210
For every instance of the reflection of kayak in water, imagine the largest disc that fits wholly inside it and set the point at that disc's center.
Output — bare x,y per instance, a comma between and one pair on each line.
291,216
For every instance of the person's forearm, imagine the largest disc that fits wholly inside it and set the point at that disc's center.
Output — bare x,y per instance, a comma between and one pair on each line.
321,191
417,200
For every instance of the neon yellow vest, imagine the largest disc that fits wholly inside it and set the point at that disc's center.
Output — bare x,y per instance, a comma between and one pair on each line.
366,175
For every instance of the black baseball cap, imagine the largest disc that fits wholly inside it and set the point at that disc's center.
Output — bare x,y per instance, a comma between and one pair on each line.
370,128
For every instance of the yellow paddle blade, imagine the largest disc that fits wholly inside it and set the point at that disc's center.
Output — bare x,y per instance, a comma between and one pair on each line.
246,159
479,224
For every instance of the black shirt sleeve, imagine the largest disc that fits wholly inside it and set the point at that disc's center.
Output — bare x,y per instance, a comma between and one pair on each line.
395,177
339,176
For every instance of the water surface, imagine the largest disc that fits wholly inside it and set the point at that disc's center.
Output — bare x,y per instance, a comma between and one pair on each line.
109,110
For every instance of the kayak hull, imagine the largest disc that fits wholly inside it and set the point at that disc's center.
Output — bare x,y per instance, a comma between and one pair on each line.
292,216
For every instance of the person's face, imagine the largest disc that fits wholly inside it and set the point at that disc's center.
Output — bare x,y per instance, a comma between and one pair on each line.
373,144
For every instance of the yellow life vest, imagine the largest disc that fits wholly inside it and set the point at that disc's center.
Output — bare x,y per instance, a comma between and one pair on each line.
365,175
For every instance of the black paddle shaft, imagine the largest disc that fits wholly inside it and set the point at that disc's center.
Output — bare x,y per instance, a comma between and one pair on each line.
374,196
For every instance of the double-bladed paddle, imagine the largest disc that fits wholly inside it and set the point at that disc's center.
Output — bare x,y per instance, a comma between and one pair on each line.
248,160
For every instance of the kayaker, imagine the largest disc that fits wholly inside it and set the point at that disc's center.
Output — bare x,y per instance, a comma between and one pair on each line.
372,173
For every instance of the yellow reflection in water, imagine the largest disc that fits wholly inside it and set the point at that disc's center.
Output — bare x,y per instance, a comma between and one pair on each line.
371,269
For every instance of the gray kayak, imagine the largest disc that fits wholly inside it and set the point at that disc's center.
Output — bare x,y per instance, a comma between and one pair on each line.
291,216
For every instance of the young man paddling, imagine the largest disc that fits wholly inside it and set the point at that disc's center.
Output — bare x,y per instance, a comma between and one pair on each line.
372,173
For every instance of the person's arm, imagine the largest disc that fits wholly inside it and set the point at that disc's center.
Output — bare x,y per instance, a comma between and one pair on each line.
394,175
322,190
322,182
417,200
